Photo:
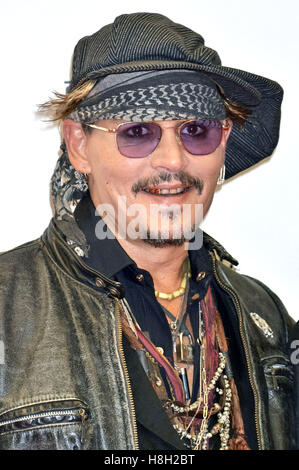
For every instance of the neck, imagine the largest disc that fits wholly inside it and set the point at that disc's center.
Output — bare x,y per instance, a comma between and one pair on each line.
165,264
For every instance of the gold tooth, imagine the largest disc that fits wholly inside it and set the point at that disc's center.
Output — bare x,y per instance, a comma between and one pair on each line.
169,191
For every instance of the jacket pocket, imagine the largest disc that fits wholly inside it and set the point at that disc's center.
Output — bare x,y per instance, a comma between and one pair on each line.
279,376
45,425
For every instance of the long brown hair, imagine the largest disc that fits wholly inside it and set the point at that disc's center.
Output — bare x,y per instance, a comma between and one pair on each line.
62,105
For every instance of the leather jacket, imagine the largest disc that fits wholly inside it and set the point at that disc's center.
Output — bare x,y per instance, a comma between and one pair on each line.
64,382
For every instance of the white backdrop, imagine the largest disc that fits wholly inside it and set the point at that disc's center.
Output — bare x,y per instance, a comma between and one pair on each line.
255,216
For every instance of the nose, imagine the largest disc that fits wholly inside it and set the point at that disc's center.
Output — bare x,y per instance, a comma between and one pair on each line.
169,154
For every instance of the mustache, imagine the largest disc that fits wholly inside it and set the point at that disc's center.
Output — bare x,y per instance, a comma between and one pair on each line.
181,176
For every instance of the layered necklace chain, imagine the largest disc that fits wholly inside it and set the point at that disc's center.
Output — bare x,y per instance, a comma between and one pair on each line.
187,416
210,414
191,421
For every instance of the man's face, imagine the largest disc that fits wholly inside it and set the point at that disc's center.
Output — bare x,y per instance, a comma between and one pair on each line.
168,176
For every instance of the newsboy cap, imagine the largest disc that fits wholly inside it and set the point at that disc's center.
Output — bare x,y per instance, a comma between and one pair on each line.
150,41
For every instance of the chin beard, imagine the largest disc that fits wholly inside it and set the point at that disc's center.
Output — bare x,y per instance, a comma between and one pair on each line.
161,241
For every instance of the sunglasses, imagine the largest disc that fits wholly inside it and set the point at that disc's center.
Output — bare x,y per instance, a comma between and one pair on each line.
140,139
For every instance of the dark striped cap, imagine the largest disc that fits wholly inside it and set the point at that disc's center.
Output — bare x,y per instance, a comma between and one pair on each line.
150,41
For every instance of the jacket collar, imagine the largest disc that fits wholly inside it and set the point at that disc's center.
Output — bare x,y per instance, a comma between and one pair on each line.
73,243
108,257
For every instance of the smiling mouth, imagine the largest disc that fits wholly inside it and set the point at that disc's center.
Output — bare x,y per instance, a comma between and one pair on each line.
167,192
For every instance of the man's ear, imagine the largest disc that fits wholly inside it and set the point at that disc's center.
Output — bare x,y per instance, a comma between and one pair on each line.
76,144
227,132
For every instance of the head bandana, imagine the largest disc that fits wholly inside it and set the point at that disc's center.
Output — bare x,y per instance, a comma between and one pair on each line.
149,96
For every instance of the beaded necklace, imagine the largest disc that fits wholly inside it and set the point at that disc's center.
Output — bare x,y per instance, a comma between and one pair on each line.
191,421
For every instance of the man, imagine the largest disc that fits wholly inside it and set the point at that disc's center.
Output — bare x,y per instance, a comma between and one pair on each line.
121,329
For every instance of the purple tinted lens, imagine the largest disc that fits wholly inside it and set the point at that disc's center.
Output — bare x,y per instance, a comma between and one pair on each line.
138,139
201,137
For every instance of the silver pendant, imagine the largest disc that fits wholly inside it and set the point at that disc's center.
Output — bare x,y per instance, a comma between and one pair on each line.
183,351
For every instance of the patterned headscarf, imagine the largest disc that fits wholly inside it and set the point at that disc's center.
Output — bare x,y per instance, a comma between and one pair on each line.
149,96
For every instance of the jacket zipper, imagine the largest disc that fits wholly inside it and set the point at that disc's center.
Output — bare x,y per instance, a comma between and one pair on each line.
237,303
45,414
83,415
125,368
